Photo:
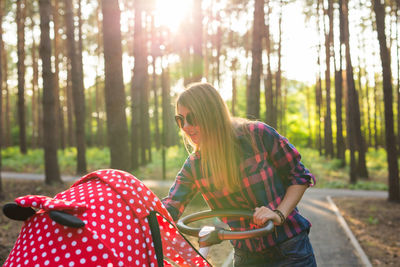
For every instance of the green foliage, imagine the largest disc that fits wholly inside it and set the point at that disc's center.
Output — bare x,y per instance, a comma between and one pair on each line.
329,173
13,160
33,161
175,157
373,220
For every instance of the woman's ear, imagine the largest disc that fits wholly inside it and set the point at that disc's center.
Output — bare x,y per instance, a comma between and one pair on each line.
18,213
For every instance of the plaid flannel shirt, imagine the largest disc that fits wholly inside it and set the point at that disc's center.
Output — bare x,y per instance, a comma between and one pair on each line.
267,172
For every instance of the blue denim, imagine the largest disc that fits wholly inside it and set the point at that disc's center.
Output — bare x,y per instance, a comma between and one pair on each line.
296,251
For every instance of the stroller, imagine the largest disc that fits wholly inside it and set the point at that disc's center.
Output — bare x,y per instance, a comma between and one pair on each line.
107,218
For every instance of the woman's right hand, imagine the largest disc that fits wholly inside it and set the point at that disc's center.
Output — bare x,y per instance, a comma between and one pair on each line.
263,214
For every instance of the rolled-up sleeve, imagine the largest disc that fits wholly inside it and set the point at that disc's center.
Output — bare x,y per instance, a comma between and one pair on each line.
181,192
286,158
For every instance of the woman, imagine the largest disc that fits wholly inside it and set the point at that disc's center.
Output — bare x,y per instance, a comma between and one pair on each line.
239,164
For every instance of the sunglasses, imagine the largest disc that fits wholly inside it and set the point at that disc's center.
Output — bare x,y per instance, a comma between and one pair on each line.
180,120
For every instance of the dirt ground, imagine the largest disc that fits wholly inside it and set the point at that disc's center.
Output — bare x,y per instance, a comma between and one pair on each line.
376,225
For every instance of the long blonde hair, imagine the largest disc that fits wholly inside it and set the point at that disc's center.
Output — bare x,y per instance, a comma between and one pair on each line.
220,151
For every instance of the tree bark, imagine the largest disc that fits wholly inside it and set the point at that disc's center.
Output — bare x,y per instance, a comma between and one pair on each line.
253,97
52,172
117,129
328,53
268,87
318,85
99,99
340,142
197,41
21,14
77,89
1,99
278,78
139,89
391,149
155,54
57,55
353,103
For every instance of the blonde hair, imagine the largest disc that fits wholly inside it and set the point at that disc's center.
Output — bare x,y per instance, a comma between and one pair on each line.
220,151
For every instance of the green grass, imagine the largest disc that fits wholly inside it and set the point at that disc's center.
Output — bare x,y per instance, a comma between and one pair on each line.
97,158
329,172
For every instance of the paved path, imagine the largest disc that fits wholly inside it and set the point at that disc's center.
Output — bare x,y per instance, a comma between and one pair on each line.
331,245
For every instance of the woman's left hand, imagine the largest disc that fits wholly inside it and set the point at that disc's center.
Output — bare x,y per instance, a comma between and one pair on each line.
264,214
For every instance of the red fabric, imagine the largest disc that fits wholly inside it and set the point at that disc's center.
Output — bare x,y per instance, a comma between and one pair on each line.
114,206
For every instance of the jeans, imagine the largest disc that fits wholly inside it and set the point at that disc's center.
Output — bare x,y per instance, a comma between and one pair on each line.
296,251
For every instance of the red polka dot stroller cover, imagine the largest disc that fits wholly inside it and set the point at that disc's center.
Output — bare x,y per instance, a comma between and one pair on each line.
116,221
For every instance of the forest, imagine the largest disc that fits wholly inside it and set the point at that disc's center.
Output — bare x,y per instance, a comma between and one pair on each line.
79,73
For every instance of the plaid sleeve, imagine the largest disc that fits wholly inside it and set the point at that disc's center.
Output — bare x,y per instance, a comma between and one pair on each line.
182,191
285,157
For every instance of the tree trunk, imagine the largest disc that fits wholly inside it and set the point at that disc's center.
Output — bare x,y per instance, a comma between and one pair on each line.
318,89
268,88
7,113
52,172
139,88
117,129
234,85
1,98
35,90
155,53
166,126
253,97
21,14
350,95
57,54
197,41
81,81
278,77
99,99
391,150
398,73
218,47
340,142
70,109
328,53
355,130
77,89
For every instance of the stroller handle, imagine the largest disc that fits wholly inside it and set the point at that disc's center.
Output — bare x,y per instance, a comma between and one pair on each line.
222,233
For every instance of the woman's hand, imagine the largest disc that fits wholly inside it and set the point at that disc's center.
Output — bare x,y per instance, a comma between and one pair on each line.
264,214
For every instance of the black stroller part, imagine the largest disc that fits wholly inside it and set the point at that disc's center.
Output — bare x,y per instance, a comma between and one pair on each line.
155,233
16,212
66,219
223,234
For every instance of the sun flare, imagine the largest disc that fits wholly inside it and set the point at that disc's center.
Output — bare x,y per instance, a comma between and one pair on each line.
171,13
